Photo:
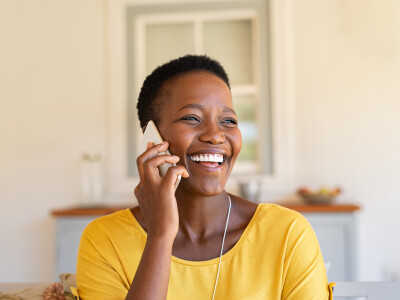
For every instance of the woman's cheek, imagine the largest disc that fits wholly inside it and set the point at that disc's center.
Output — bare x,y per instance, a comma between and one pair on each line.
179,148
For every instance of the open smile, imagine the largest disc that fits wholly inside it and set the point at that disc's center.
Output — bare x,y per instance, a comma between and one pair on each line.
209,161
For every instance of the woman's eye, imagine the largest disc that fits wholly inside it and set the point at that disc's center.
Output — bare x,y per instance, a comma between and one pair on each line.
230,122
191,119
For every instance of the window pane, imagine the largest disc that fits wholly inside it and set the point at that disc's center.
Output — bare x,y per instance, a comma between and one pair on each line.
249,146
167,41
246,111
245,107
230,42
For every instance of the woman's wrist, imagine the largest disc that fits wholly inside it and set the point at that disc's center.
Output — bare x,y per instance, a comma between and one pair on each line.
164,241
162,233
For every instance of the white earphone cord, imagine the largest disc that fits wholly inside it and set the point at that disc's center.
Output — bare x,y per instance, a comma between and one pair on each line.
222,247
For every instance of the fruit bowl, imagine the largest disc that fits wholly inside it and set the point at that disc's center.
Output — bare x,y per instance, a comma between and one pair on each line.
322,196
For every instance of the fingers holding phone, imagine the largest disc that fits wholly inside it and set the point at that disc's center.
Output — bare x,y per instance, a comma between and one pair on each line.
156,195
150,162
151,135
159,177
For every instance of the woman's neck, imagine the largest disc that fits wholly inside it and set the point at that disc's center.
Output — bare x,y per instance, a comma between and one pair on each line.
200,216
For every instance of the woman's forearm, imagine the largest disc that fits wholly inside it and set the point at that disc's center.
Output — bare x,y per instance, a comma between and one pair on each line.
152,275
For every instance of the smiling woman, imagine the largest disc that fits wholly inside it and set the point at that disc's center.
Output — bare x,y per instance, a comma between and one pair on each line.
197,242
202,113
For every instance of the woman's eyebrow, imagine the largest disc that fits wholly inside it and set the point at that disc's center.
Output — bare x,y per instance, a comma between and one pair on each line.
228,109
201,107
193,105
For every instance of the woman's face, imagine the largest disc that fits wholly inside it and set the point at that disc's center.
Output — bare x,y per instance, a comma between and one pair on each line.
198,120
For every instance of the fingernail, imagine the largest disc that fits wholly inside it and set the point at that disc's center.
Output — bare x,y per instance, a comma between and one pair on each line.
163,143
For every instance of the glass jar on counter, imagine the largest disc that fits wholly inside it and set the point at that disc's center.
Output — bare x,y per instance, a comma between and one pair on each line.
91,179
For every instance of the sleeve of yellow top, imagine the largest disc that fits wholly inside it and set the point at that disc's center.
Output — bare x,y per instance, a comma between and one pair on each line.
96,278
304,275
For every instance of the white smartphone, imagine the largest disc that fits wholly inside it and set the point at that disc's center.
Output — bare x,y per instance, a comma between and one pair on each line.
152,135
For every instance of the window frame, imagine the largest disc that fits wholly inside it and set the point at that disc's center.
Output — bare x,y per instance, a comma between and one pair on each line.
119,187
198,19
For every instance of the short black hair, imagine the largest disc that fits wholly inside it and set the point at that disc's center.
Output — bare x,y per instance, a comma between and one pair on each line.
148,105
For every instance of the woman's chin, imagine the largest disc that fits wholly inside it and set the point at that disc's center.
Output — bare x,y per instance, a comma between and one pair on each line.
206,188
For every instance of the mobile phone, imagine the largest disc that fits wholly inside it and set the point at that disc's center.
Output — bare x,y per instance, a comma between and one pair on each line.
152,135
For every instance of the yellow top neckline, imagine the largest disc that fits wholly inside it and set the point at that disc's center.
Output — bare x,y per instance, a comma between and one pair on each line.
212,261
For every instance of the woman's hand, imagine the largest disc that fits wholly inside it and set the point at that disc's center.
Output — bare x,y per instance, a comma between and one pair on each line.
156,195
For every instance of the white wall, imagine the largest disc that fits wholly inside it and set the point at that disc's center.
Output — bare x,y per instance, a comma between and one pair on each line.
347,96
51,110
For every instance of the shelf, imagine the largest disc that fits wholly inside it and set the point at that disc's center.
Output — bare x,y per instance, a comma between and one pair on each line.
326,208
105,210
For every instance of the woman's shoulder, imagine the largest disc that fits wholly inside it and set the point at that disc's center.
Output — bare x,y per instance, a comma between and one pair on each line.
279,227
119,221
276,210
270,214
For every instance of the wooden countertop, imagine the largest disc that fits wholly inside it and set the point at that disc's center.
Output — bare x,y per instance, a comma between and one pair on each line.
79,211
325,208
105,210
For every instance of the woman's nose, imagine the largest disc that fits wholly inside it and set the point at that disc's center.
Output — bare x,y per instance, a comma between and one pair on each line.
212,134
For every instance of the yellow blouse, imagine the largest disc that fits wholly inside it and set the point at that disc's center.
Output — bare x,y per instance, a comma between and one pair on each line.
277,257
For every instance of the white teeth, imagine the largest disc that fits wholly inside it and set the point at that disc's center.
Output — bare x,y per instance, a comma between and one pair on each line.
208,157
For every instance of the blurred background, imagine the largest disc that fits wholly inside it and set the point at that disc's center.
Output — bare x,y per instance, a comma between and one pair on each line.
316,84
